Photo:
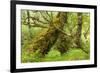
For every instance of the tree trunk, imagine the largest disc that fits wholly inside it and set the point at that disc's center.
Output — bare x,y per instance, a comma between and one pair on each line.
29,26
79,30
48,36
63,41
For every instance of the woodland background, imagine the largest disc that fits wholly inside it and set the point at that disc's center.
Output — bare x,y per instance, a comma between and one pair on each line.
54,36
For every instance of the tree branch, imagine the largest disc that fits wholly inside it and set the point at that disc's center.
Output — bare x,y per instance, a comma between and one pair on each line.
61,31
84,50
41,26
44,17
37,25
33,18
47,14
85,33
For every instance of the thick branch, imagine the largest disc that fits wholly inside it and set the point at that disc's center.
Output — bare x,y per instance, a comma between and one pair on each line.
61,31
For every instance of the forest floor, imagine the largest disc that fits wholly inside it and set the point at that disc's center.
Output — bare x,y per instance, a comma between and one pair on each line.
54,55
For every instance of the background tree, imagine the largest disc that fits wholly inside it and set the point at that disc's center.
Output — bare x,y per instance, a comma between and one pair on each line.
79,30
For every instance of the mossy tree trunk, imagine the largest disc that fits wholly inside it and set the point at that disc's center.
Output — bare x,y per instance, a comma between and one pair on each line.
48,36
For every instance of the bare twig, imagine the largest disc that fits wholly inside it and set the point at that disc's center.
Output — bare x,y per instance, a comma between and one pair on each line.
44,17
